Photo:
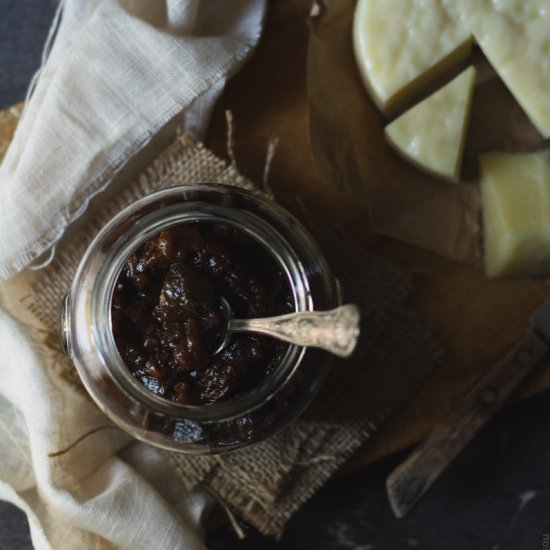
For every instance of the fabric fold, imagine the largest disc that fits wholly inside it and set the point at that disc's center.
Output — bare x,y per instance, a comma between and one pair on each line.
117,73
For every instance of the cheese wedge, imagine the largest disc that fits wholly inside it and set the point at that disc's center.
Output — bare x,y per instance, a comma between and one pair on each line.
515,192
403,45
514,35
431,134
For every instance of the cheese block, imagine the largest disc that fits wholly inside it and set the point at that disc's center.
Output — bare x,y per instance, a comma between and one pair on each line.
514,35
431,134
516,213
402,45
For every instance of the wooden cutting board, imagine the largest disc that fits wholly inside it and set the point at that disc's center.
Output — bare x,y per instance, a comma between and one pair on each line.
477,320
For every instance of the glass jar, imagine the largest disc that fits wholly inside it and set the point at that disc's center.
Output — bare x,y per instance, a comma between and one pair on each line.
88,337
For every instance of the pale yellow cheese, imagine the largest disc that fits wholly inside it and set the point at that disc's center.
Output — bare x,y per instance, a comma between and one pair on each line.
402,45
431,134
515,37
516,213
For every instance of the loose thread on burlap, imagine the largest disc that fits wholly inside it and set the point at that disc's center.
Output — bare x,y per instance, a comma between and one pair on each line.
317,460
81,439
231,138
239,531
50,255
271,150
257,493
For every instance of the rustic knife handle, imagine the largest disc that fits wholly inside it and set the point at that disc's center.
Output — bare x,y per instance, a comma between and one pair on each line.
411,479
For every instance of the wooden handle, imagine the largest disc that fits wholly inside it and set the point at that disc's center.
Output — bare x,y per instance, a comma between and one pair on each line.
411,479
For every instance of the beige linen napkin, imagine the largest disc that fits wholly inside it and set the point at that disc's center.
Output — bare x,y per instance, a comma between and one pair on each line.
118,72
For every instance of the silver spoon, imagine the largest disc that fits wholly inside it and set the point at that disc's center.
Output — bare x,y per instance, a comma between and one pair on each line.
335,330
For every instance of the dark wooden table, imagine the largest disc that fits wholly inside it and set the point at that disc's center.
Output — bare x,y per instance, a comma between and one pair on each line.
477,504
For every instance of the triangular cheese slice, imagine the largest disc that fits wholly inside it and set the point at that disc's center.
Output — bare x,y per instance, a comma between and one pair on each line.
431,134
514,35
401,46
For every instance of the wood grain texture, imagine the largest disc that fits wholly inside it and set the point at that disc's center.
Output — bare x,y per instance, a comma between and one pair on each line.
476,319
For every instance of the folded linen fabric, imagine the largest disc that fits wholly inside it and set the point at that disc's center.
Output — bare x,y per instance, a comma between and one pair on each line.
117,72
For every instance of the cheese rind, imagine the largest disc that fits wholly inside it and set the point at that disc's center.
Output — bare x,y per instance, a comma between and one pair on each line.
514,35
431,134
515,192
403,45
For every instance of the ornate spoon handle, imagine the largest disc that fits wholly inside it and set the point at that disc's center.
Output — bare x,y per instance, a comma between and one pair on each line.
336,330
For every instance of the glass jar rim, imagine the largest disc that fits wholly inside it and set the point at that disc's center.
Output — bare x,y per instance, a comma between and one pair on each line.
151,224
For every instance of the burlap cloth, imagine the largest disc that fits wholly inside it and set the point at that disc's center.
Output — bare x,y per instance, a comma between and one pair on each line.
266,483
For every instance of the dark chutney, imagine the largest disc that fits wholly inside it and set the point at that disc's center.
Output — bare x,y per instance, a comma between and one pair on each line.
166,317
